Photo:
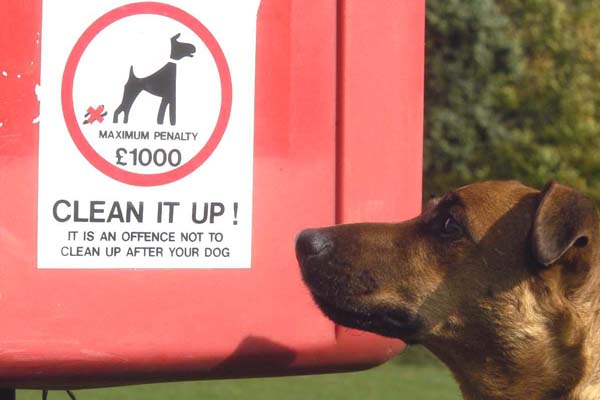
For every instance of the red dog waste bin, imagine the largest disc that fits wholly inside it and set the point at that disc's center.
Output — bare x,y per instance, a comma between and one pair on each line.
157,160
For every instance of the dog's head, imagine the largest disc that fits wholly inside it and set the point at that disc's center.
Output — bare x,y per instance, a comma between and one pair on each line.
486,252
181,49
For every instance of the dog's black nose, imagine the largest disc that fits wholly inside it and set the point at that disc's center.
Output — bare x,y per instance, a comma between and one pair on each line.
311,242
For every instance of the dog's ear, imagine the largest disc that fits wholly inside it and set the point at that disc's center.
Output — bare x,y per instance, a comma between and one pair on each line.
564,219
176,36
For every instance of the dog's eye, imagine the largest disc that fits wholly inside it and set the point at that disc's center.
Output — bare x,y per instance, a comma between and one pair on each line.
451,228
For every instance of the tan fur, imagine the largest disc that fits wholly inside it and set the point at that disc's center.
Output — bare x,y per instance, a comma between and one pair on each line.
484,301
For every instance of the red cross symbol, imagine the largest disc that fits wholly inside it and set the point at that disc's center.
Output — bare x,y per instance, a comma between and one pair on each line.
95,114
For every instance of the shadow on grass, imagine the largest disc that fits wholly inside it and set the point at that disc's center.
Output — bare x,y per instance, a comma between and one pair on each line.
417,356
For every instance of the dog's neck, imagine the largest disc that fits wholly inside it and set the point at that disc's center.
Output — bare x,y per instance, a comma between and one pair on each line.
559,362
491,378
588,303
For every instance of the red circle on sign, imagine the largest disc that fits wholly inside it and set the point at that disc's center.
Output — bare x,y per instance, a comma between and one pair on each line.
79,139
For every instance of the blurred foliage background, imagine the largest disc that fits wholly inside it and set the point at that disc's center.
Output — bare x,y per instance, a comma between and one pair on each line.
512,92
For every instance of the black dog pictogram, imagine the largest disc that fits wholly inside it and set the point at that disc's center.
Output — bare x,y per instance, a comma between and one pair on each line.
162,83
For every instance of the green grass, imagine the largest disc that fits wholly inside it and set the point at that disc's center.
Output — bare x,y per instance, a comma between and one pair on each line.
412,375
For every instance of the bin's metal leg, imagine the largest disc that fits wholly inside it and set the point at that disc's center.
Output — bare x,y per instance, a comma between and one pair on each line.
8,394
45,395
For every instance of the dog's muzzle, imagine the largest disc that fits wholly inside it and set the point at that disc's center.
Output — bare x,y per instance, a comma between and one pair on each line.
315,251
325,268
339,287
312,243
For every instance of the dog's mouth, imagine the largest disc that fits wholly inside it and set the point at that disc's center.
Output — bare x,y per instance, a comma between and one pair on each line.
386,321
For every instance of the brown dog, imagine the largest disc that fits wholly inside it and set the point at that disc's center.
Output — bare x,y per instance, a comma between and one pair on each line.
500,281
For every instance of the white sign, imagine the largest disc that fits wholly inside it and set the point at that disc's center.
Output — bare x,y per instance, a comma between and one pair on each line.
146,134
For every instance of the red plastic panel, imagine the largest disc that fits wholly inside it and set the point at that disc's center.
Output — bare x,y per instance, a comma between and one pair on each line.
380,123
381,110
75,328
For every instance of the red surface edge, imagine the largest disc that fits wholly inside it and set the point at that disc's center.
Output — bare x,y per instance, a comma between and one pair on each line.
381,55
380,110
